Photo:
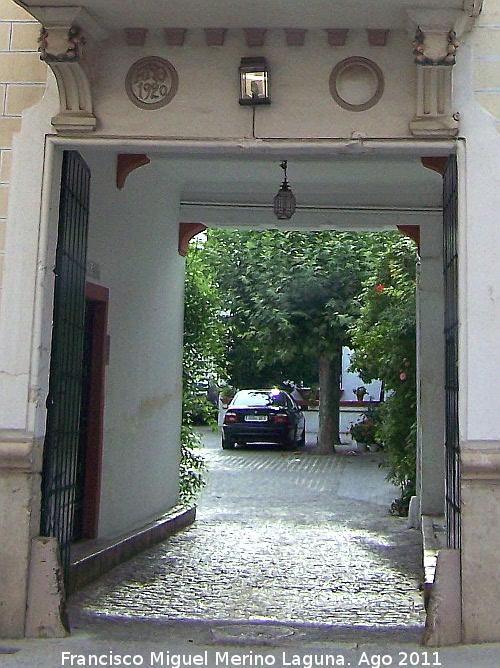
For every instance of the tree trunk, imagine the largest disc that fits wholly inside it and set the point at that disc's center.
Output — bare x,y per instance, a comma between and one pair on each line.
330,369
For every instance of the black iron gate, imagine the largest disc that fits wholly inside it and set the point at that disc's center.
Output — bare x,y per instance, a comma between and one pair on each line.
59,476
450,259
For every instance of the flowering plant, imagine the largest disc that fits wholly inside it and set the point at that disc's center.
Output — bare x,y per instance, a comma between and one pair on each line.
363,431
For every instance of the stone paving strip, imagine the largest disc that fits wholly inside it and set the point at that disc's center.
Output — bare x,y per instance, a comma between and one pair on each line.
280,537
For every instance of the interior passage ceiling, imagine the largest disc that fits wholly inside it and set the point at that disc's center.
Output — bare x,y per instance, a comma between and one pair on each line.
314,14
236,187
345,192
343,181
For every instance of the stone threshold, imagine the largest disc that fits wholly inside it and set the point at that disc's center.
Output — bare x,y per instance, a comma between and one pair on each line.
434,539
90,559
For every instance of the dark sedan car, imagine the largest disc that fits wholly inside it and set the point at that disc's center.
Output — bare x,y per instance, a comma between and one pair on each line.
263,416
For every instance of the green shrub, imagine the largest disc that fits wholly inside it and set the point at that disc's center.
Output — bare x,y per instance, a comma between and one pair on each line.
384,340
192,465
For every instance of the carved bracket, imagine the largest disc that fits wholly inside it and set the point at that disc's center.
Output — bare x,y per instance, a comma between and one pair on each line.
64,37
434,47
61,48
75,96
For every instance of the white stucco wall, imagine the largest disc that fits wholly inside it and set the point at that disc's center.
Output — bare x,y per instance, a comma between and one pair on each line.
133,237
22,374
476,79
479,239
206,104
27,273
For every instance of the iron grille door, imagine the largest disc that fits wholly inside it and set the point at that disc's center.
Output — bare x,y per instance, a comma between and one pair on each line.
450,259
59,474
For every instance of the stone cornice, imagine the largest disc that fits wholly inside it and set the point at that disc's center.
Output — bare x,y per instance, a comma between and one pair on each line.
66,34
254,37
20,451
57,17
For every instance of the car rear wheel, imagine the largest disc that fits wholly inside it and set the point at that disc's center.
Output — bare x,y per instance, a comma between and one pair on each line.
302,440
227,443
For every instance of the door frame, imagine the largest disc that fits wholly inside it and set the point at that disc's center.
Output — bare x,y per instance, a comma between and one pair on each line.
99,295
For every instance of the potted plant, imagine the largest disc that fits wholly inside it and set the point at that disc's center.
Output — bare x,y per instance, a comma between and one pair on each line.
226,393
360,392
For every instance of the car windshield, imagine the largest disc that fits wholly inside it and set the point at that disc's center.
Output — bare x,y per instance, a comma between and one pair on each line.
259,398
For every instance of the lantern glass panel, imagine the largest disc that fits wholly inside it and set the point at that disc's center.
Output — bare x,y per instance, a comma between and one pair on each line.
254,82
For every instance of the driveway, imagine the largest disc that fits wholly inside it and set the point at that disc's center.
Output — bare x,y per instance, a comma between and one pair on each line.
281,537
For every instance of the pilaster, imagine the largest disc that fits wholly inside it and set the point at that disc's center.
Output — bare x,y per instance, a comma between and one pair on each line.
480,491
434,46
430,367
20,466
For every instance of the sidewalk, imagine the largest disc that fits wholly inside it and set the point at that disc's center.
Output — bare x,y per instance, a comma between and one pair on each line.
178,645
293,561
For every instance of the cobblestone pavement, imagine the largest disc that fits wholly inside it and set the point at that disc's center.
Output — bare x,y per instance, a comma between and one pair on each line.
280,537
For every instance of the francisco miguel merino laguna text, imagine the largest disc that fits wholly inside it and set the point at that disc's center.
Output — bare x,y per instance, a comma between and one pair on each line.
251,659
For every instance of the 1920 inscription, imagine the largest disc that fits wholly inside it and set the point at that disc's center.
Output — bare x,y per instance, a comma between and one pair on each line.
151,82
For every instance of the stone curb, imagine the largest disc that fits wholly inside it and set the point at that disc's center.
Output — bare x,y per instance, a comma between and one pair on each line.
91,559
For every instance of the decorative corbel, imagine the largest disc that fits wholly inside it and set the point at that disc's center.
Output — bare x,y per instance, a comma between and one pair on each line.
411,231
126,163
434,47
186,232
64,37
438,51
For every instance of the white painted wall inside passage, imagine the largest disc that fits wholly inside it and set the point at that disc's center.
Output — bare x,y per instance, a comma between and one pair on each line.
133,237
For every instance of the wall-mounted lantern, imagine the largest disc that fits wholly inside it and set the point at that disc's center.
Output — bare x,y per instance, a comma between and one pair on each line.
254,81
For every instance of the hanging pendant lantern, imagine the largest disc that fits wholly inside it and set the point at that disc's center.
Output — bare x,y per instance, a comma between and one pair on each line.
284,202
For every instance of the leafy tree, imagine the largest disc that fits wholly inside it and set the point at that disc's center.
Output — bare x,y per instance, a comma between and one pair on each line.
290,299
203,361
204,332
384,340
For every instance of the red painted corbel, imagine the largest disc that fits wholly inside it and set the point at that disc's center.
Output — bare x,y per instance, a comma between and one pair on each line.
126,163
412,231
437,164
186,232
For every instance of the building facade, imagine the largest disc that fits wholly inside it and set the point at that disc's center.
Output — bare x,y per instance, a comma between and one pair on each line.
124,131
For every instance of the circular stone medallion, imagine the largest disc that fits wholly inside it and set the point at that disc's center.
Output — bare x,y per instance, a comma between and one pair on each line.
356,83
151,82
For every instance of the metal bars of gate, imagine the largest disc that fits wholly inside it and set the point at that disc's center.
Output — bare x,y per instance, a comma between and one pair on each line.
63,402
450,268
